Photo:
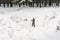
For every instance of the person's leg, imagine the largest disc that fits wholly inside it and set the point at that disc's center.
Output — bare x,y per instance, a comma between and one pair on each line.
34,25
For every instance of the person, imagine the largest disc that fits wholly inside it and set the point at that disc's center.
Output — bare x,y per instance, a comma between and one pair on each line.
33,22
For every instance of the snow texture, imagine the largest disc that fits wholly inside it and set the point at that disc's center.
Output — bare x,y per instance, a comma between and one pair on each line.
16,24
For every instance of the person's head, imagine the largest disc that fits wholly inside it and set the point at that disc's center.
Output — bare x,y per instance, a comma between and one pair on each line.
33,18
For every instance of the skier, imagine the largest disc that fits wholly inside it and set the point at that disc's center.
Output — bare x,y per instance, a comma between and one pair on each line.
58,29
33,22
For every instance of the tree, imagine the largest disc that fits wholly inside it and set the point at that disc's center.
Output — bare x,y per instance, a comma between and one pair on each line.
49,2
0,2
40,1
52,1
11,4
3,3
26,2
45,3
33,1
7,3
57,2
37,3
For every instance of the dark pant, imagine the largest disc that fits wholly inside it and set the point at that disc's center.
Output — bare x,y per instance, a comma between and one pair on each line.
33,24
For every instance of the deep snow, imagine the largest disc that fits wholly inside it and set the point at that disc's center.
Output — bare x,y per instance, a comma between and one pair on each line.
15,23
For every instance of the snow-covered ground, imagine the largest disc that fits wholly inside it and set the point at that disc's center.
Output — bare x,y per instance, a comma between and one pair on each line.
16,24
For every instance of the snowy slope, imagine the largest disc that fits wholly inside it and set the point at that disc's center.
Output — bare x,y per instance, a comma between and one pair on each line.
15,23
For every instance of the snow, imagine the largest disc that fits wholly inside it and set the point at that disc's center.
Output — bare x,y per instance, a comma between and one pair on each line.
16,24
